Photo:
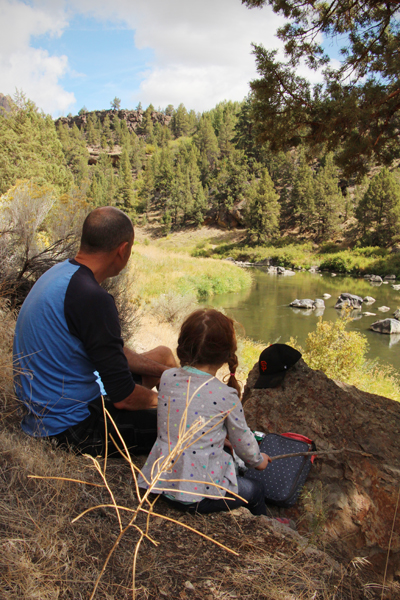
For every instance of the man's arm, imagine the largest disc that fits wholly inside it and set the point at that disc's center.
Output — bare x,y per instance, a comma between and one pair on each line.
140,399
152,363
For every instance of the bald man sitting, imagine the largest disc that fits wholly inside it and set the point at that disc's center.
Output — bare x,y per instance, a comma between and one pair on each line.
67,329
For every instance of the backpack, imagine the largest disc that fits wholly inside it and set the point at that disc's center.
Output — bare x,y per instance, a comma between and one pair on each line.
283,479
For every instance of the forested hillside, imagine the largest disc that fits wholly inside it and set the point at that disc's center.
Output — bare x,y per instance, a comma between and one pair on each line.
187,169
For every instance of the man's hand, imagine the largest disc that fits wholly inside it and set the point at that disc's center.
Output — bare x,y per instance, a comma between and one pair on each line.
264,463
140,399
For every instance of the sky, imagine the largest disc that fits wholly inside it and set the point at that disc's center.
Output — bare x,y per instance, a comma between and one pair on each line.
67,54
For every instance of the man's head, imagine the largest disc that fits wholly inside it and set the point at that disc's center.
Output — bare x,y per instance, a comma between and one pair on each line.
105,229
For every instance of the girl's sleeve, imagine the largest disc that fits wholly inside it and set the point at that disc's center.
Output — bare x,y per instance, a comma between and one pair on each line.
241,437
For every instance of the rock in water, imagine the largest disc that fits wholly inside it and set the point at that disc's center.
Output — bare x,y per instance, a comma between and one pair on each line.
357,492
348,300
305,303
386,326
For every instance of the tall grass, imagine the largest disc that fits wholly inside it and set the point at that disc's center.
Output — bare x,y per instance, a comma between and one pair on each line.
157,272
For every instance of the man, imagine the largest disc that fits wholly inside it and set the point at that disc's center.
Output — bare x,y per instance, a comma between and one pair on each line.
67,329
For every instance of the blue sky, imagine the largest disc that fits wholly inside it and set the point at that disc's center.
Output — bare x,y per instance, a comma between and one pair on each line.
66,54
103,61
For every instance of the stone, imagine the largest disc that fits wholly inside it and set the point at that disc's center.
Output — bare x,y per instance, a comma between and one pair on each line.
348,300
396,314
388,326
368,314
313,269
369,300
319,303
357,491
280,270
305,303
389,277
376,278
383,308
333,274
396,287
326,296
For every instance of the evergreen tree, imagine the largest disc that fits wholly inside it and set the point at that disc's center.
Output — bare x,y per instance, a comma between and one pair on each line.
303,194
30,148
207,143
262,210
126,193
163,175
180,122
379,209
329,204
116,103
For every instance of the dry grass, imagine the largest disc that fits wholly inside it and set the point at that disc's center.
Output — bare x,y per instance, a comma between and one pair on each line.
47,554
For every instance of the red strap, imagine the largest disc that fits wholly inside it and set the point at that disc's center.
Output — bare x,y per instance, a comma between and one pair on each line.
300,438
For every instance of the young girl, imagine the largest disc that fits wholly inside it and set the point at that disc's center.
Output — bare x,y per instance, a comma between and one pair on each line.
207,341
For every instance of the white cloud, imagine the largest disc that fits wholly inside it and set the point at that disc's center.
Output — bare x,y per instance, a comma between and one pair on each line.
202,50
32,70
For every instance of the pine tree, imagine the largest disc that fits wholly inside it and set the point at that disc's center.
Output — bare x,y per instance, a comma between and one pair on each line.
262,210
180,122
126,187
379,209
329,204
303,194
207,143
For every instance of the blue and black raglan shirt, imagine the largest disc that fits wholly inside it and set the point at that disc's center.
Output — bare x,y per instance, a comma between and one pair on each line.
68,327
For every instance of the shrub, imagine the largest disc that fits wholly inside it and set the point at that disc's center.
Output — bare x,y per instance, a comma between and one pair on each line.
173,308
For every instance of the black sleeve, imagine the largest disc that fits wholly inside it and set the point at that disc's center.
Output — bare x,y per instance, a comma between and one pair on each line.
92,317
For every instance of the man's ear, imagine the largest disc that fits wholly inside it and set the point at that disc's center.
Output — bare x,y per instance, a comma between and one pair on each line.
122,250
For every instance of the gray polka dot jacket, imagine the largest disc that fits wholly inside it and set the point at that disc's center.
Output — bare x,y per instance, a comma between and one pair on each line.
202,460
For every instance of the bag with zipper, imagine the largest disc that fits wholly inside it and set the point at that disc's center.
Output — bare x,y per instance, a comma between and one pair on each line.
283,479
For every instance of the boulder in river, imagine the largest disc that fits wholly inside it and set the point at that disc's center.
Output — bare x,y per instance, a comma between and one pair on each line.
396,287
389,277
388,326
356,486
396,314
368,314
326,296
376,278
348,300
369,300
383,308
307,303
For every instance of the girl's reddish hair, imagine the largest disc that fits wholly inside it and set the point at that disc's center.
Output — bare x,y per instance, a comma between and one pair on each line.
208,337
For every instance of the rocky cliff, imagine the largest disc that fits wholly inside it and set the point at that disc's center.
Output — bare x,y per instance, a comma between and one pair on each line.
133,118
352,494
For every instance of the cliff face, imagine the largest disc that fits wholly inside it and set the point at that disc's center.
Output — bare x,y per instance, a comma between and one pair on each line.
355,494
5,103
133,118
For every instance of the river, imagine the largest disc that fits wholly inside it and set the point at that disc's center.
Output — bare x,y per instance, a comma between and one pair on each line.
264,310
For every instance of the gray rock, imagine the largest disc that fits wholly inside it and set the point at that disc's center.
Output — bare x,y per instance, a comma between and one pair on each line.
319,303
389,277
376,278
369,300
313,269
348,300
280,270
367,276
305,303
326,296
333,274
368,314
383,308
387,326
396,314
396,287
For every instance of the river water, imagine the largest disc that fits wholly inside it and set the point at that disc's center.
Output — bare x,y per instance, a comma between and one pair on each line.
264,310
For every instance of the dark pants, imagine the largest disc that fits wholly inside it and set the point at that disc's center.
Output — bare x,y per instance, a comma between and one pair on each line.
138,429
247,488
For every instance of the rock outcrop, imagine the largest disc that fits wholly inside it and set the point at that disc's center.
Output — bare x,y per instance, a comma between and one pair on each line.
133,118
356,492
388,326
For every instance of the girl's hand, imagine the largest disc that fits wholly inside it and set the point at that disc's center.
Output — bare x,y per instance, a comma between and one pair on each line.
264,463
